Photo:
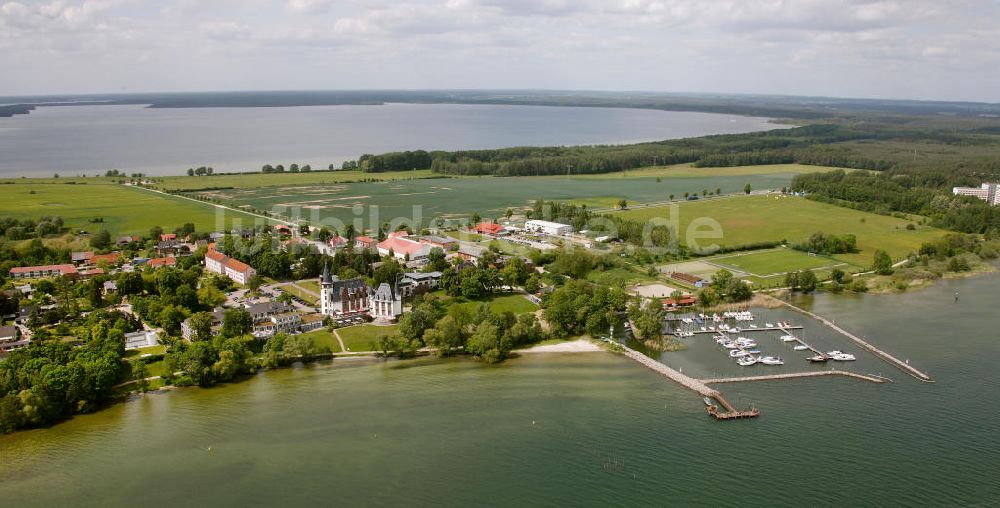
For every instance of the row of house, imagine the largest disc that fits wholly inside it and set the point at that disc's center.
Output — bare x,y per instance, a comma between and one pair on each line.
268,319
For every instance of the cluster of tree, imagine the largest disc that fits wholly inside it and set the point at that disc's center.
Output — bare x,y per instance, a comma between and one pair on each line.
822,243
14,228
808,145
200,171
394,161
205,363
648,318
923,193
481,332
49,381
803,280
280,168
168,296
725,287
266,253
580,307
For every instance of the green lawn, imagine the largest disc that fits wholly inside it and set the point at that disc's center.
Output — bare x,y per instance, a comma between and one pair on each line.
515,303
753,219
309,284
323,338
465,235
774,262
362,337
124,210
158,349
292,290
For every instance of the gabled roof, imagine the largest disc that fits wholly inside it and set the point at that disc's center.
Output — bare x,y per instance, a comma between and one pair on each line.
488,228
384,293
401,245
65,269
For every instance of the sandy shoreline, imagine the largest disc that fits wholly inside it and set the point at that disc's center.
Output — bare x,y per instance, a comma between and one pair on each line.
573,346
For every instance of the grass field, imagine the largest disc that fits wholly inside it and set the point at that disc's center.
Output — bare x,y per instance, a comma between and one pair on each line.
323,338
752,219
774,262
457,198
517,304
124,210
251,180
309,284
362,337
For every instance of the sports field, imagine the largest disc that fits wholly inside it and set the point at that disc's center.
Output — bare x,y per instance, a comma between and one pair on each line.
774,262
124,210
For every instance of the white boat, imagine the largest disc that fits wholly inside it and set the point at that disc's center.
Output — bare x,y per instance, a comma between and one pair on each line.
736,353
704,329
769,325
843,357
771,360
801,347
788,338
746,361
729,345
752,351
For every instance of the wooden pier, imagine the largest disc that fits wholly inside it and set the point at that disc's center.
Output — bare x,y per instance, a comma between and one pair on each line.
747,330
904,366
794,375
694,385
787,330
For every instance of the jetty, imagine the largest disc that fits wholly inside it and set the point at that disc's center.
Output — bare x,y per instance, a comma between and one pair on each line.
745,330
904,366
787,330
864,377
728,411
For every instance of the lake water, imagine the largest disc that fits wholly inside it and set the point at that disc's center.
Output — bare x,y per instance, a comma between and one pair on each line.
563,429
75,139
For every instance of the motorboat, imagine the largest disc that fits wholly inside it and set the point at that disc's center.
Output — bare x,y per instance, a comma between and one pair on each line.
752,351
771,360
818,359
746,361
737,353
730,345
769,325
789,338
843,357
801,347
704,329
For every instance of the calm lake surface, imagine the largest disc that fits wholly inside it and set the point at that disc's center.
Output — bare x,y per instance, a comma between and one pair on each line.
589,429
75,139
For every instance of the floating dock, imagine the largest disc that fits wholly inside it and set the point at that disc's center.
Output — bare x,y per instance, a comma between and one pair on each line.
904,366
794,375
694,385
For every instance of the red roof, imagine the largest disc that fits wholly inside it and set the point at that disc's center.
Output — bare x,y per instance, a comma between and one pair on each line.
337,240
64,269
237,265
488,228
364,240
684,300
111,258
168,236
167,261
401,245
215,255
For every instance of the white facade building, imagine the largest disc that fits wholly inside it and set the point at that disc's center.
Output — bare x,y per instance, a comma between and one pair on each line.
988,192
549,228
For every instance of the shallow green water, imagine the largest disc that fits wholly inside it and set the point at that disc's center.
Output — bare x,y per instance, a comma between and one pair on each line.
571,429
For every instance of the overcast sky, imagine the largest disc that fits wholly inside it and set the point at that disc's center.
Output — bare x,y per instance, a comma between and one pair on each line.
915,49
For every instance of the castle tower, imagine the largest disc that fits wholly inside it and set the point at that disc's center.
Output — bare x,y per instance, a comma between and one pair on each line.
326,291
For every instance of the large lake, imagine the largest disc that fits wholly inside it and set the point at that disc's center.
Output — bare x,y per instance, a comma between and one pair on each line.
75,139
592,429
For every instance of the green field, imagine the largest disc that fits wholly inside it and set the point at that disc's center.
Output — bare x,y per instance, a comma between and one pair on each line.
323,338
457,198
752,219
774,262
295,291
250,180
124,210
309,284
516,303
362,337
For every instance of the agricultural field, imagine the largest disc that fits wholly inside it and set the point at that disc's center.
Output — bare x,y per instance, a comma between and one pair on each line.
750,219
774,262
427,199
124,210
689,171
251,180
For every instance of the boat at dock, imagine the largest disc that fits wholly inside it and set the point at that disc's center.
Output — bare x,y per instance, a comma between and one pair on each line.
801,347
789,338
771,360
747,361
818,359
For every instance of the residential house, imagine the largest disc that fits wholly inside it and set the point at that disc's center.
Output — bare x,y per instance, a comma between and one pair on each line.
11,339
262,311
547,227
141,339
170,261
364,242
443,242
126,240
489,228
238,271
168,237
112,258
110,287
81,258
287,322
34,272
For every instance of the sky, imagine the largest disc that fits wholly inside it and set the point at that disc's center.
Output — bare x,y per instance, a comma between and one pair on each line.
903,49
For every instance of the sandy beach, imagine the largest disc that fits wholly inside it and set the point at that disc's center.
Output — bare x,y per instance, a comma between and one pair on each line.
574,346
